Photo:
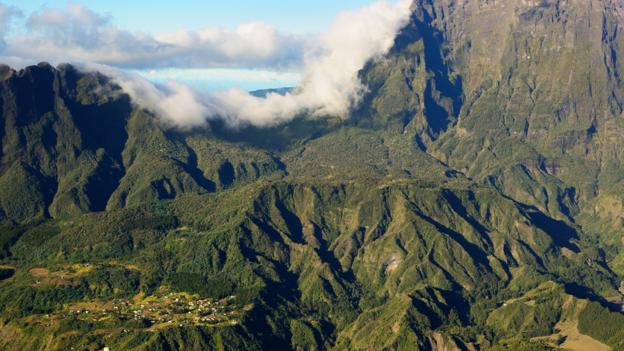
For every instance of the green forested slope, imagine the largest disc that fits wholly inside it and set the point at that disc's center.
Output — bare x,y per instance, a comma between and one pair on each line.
472,201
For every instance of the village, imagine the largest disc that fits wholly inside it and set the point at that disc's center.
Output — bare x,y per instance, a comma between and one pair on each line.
161,311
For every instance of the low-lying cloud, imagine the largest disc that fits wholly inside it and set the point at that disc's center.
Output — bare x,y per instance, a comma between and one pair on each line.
330,84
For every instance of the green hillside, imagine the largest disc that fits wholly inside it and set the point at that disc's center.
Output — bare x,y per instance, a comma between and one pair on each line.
472,201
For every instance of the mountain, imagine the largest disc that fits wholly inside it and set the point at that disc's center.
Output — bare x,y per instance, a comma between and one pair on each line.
265,92
512,92
471,202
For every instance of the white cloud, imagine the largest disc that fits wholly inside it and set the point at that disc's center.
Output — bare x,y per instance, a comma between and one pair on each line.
175,104
355,38
76,33
330,83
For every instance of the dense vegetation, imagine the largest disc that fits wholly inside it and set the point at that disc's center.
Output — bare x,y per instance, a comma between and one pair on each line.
600,323
471,201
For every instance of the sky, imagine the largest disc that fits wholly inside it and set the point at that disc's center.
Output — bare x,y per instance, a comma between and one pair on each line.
193,61
282,28
298,16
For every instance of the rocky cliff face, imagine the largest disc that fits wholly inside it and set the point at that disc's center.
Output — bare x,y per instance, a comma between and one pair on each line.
509,68
524,95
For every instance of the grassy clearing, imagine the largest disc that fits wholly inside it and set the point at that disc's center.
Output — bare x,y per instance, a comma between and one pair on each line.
68,276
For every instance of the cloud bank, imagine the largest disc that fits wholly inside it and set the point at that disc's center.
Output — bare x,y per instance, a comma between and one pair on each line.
77,33
330,84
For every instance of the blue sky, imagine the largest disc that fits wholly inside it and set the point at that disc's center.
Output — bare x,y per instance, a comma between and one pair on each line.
298,16
131,34
222,79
